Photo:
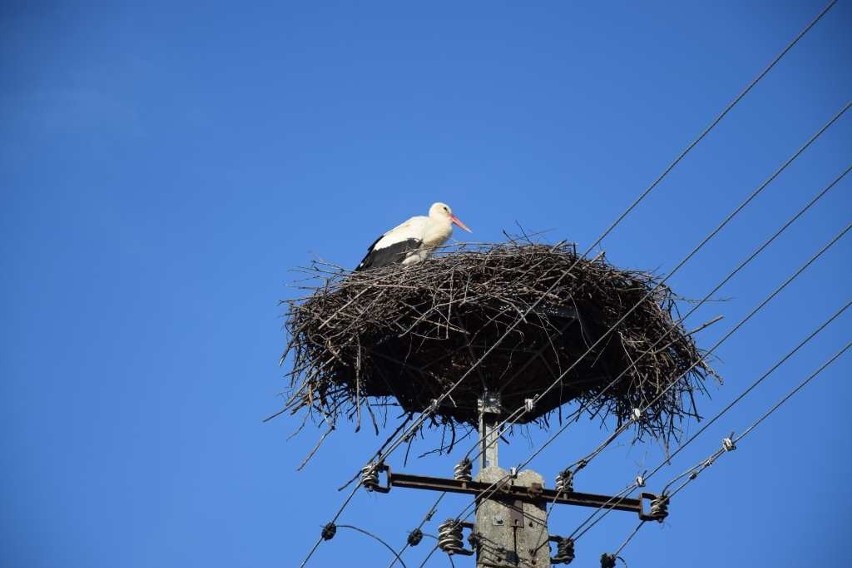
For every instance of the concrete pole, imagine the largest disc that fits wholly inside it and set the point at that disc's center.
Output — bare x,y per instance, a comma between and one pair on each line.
489,415
509,533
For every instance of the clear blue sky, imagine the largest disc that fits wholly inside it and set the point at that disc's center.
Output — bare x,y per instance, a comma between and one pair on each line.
165,166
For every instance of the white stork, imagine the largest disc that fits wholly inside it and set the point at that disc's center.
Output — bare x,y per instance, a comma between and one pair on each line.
413,240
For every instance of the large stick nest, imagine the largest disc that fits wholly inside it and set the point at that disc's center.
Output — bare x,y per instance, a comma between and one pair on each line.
528,321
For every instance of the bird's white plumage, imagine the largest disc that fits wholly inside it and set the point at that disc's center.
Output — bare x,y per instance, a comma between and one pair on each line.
414,228
413,240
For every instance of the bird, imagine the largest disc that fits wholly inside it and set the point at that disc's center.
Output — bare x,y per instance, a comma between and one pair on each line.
414,240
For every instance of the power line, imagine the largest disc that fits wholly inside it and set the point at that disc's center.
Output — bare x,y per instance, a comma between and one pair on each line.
704,241
753,195
693,472
718,415
726,279
751,314
721,115
692,253
371,535
426,518
757,382
642,196
790,394
742,322
729,444
379,456
733,330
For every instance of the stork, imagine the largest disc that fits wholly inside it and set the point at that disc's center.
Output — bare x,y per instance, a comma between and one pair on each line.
413,240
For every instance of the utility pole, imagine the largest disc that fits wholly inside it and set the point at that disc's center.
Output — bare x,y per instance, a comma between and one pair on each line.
508,532
511,507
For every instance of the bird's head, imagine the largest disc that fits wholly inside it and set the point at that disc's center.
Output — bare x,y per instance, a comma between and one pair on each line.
442,211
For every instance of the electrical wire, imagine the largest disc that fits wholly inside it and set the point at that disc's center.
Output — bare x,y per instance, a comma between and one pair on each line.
726,279
731,443
426,518
494,487
368,533
772,369
633,205
704,464
689,256
728,334
718,119
755,310
754,385
587,459
603,511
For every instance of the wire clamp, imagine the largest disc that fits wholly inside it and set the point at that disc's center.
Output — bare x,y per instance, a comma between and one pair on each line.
564,550
328,531
414,537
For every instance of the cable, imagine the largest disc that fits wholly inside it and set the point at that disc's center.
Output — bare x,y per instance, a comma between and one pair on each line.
715,289
719,118
692,253
718,343
629,538
491,490
641,197
585,460
426,518
577,534
754,385
444,395
753,312
731,443
744,320
367,533
791,393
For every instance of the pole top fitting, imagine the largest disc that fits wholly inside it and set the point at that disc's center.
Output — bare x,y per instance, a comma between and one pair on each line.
489,403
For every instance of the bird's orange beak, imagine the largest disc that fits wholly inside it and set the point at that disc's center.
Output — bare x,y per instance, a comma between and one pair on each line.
458,222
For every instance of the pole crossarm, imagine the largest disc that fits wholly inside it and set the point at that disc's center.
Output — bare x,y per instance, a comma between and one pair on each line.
532,494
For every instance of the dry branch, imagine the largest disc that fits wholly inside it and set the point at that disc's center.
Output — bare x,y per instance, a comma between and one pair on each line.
404,335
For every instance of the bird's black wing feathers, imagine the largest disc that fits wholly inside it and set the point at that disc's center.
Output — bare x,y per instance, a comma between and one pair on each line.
392,254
